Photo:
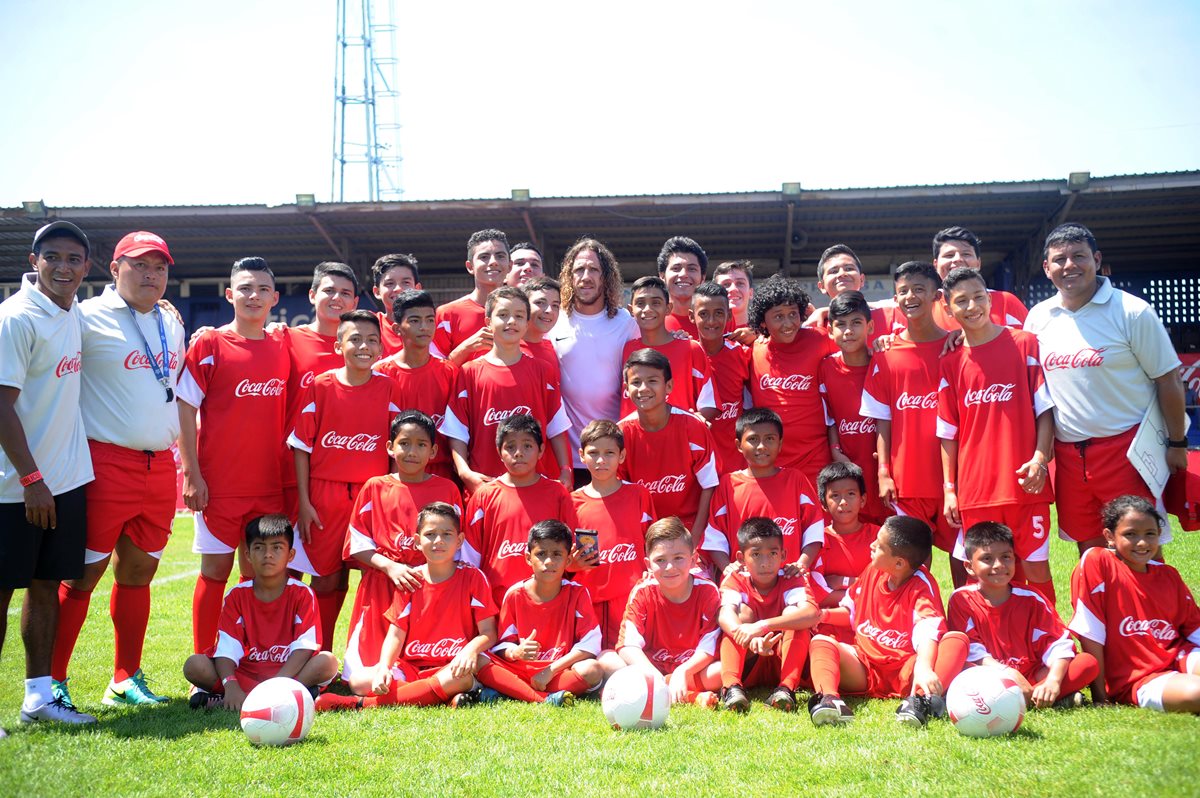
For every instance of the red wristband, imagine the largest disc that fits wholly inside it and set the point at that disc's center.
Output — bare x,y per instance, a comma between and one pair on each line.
30,478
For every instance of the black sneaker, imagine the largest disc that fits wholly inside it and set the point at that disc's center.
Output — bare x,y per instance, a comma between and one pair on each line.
913,711
782,699
202,699
829,710
734,698
1070,701
463,700
937,706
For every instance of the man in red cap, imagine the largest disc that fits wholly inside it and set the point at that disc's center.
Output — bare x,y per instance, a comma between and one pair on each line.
132,354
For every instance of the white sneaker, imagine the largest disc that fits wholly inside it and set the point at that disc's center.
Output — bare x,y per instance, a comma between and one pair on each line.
56,710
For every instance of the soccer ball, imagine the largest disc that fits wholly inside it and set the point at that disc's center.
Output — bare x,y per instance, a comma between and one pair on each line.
985,702
634,699
279,711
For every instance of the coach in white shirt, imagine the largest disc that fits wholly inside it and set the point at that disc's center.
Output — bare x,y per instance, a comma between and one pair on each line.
1106,357
44,461
132,355
589,337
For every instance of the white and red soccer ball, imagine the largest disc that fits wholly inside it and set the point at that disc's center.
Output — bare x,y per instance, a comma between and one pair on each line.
985,702
278,711
634,699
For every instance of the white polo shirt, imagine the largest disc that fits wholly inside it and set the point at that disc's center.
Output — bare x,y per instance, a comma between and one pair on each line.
589,356
1100,361
122,401
41,355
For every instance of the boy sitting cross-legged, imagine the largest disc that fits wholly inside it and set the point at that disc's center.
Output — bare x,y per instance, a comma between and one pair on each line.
549,635
670,625
766,617
436,648
268,627
901,646
1015,627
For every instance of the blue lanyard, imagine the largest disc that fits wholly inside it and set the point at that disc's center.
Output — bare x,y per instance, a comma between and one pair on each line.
161,373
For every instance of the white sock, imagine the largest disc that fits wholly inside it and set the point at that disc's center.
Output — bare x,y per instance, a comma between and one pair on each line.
38,692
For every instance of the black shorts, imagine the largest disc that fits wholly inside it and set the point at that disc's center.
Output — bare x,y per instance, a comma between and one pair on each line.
28,553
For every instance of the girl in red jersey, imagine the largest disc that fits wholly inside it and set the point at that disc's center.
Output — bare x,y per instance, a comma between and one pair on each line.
1136,616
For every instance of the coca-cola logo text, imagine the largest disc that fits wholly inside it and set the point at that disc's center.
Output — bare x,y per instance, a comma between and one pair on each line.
907,401
267,388
446,648
509,548
889,638
662,655
788,525
359,442
272,654
1084,358
1154,627
69,365
730,411
307,379
792,382
622,552
672,483
861,426
981,706
137,359
493,417
993,394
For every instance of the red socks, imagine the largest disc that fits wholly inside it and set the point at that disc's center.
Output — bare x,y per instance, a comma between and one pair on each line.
733,662
329,607
824,663
951,656
72,612
420,693
570,681
129,606
1082,671
508,683
794,651
206,612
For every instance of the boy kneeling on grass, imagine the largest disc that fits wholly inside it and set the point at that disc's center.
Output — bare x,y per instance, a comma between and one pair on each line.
268,627
435,649
901,646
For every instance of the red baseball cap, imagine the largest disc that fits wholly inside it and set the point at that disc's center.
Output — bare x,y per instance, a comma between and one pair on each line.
140,243
1182,499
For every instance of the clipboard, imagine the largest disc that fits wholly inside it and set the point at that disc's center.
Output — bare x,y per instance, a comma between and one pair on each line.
1148,449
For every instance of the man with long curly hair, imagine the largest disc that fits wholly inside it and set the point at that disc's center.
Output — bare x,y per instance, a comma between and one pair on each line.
589,337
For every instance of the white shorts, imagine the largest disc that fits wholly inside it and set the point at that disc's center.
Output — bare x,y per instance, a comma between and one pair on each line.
1150,694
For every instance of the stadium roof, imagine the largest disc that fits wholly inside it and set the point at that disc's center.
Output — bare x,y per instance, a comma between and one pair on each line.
1140,221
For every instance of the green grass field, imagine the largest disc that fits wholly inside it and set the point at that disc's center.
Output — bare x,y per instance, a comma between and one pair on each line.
515,749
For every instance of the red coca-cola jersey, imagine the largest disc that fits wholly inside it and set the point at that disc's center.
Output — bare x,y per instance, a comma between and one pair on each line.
1141,619
238,384
989,399
1024,633
889,626
259,636
620,520
669,633
427,389
846,555
384,518
675,463
311,354
730,368
787,498
1007,311
564,624
841,389
691,379
738,589
783,377
439,619
457,321
498,520
344,428
901,387
543,350
391,340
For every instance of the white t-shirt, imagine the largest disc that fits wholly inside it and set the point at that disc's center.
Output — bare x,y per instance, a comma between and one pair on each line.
589,353
41,355
1100,361
122,401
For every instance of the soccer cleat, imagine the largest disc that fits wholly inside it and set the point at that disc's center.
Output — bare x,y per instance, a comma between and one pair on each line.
488,695
707,700
60,692
57,711
463,700
782,699
560,698
936,706
829,710
1069,701
331,702
734,698
131,692
202,699
913,711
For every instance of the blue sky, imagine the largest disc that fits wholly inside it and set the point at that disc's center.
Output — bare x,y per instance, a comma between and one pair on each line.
129,102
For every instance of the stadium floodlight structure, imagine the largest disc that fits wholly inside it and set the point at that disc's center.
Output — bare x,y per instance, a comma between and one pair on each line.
366,105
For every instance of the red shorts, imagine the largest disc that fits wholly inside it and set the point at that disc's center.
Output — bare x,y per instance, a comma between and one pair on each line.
891,680
405,671
133,495
525,670
930,511
609,613
334,503
291,502
1087,476
1152,698
221,528
1029,524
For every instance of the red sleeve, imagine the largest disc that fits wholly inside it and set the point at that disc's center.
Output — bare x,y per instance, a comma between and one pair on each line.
1190,623
585,616
566,508
1089,618
395,614
718,519
636,616
877,390
711,607
472,551
509,633
947,399
198,365
1014,308
306,420
228,624
482,603
704,458
646,502
304,625
702,378
457,422
815,589
442,344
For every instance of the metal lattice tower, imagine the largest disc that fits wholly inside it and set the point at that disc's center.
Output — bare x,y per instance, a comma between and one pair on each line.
366,106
